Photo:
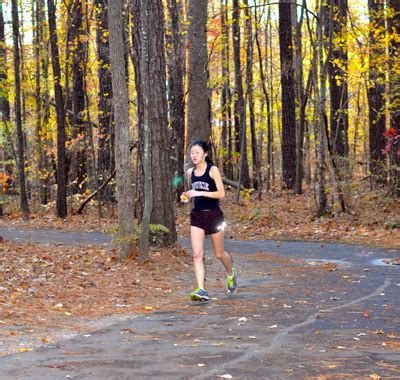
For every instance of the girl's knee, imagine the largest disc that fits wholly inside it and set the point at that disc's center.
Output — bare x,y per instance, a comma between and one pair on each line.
197,255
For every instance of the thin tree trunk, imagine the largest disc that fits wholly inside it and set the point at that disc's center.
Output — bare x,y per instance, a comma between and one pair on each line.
21,156
394,85
288,97
106,138
376,92
302,103
250,96
239,103
268,42
226,165
79,133
267,99
121,112
146,13
176,93
4,102
135,56
339,202
61,203
337,74
38,16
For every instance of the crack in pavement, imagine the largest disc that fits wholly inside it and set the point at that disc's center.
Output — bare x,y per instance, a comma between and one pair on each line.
279,338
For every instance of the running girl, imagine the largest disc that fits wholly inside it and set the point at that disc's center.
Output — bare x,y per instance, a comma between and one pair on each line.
206,218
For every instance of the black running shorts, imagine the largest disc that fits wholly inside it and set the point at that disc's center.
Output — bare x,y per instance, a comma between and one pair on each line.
211,221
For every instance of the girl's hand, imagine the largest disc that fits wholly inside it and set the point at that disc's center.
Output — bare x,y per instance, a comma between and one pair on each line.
184,198
192,193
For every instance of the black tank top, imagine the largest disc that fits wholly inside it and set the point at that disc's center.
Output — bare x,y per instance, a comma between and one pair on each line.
204,183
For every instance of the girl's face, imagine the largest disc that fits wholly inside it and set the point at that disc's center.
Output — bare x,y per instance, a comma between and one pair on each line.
197,154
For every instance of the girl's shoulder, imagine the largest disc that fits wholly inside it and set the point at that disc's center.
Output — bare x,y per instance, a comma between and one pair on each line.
214,170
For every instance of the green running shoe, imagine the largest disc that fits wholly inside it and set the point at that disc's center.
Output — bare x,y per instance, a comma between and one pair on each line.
200,295
232,282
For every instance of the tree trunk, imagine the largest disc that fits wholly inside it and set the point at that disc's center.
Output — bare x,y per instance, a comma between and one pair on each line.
106,137
176,69
376,91
135,55
319,117
226,133
303,95
267,99
4,103
197,114
146,11
250,98
163,202
337,72
79,133
239,103
61,203
4,92
121,112
21,155
394,132
288,97
40,140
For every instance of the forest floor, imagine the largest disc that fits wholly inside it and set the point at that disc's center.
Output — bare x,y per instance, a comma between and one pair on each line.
49,292
279,215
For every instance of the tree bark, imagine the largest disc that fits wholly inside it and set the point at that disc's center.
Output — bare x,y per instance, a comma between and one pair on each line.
288,97
79,133
198,108
319,118
121,111
61,203
337,74
146,11
376,92
226,133
250,98
176,69
394,133
18,117
4,103
267,98
106,137
163,202
239,102
40,140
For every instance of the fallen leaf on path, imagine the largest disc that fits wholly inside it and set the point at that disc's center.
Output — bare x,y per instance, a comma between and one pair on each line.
25,349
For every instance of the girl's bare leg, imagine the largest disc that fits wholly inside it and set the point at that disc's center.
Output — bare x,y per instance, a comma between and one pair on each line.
197,237
217,240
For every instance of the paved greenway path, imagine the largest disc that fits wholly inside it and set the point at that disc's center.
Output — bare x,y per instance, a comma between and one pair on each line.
303,310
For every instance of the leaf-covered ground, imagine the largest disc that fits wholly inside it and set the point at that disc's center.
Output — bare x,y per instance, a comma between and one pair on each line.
50,292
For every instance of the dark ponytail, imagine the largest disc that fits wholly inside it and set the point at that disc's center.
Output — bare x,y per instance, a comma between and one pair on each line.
203,145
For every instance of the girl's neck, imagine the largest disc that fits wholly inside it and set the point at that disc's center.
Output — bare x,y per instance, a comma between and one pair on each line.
201,166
